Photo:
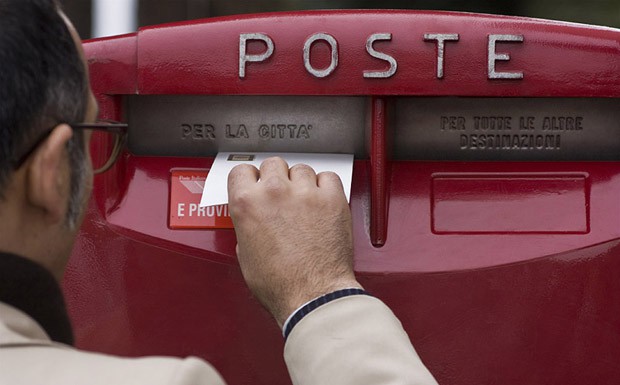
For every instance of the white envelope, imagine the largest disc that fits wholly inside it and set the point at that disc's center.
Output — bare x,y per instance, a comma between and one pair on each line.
215,190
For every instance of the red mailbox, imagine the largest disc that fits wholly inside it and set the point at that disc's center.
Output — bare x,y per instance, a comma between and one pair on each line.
485,196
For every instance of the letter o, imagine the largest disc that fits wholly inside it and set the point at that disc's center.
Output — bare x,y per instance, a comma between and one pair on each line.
334,50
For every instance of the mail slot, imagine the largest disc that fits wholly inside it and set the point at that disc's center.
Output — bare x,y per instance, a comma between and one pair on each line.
485,193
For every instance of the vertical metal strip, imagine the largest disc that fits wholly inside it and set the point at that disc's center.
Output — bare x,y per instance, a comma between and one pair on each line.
378,173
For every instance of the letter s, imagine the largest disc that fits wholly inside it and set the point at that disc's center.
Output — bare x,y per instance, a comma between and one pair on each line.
380,55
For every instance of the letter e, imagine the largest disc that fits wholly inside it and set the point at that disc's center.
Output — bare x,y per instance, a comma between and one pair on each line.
493,57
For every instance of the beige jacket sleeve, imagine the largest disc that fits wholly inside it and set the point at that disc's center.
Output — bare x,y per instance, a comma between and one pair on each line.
354,340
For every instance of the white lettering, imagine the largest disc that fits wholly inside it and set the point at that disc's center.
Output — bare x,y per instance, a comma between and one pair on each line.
181,210
334,54
243,55
380,55
493,57
193,207
441,38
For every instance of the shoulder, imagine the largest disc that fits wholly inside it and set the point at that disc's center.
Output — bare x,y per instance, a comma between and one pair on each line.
52,364
27,356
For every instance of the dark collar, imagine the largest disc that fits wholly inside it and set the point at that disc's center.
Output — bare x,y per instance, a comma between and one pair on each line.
32,289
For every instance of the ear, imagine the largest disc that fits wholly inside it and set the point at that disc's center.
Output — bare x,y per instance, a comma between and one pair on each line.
49,176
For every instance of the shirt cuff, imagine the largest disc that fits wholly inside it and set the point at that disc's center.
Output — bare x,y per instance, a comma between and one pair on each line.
311,305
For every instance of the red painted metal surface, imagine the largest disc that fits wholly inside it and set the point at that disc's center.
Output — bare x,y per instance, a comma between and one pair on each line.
378,173
525,289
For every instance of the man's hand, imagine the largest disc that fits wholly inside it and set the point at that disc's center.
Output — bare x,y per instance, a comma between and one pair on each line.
294,236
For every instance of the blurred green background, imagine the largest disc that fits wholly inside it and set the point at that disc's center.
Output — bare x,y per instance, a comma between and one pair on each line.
601,12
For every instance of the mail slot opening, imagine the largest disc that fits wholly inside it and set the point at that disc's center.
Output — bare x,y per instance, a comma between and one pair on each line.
203,125
519,129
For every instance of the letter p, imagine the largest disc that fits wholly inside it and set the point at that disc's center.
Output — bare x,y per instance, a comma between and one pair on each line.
243,55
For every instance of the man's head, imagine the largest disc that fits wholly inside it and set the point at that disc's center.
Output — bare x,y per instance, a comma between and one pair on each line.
44,172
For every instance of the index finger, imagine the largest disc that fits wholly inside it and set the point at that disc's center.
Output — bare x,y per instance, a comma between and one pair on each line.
241,176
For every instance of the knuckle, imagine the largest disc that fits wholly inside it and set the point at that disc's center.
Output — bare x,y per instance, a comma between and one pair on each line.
330,178
274,185
240,200
300,167
243,167
274,161
330,175
306,194
239,170
302,170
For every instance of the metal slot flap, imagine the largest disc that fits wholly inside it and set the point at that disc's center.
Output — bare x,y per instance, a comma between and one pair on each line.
506,129
203,125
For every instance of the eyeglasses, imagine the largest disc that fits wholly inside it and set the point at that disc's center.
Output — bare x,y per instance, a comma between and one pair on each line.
105,143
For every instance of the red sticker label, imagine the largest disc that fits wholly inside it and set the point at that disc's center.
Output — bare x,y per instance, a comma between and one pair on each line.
185,212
